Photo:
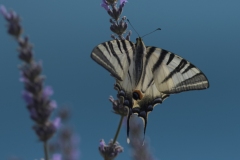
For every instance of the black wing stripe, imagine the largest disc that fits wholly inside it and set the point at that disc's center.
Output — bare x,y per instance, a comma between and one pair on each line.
129,75
151,50
170,58
105,46
196,82
126,50
119,46
160,59
149,84
188,68
114,54
177,69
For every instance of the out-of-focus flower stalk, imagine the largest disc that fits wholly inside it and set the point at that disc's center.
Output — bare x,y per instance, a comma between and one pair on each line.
66,141
37,97
139,151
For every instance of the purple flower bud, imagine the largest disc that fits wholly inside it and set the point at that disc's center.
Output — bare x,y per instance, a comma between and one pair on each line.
118,107
120,10
47,92
105,5
115,13
25,50
14,27
4,12
113,28
22,78
57,122
45,131
122,2
114,10
53,104
28,97
102,144
33,114
57,157
128,35
124,26
109,151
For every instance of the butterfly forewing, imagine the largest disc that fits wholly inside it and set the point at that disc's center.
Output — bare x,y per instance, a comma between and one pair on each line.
115,56
173,74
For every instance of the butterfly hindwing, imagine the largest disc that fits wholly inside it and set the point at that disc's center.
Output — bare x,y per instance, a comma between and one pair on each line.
150,99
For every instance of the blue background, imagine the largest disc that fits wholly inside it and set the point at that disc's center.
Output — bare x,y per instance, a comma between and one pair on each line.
188,126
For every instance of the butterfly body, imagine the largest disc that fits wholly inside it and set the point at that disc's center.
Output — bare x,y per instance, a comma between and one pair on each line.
146,76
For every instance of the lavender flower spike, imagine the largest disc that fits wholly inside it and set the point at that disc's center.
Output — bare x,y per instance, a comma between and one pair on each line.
114,11
110,151
37,97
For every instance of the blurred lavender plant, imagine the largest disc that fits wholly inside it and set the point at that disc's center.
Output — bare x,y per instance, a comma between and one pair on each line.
37,97
66,141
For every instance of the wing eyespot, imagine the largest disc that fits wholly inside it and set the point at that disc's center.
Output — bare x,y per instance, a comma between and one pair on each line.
137,95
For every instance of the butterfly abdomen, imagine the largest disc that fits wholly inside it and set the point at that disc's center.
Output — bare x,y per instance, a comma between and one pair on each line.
140,52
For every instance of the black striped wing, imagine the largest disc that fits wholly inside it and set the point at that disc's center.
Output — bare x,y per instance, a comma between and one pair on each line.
115,56
162,73
173,74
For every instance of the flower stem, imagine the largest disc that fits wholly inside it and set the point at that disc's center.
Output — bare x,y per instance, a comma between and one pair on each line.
45,150
118,129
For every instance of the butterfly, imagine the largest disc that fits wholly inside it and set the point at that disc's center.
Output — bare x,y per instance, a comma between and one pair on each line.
145,75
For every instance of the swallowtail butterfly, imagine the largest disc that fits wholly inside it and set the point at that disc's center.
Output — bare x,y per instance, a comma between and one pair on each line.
146,76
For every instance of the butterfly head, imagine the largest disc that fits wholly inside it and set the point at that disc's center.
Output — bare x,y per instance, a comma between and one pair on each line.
139,41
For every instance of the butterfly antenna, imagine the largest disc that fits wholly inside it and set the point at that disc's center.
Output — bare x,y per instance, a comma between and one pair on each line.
151,32
132,27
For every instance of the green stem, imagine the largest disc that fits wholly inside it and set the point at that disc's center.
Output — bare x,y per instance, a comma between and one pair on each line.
118,129
45,150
